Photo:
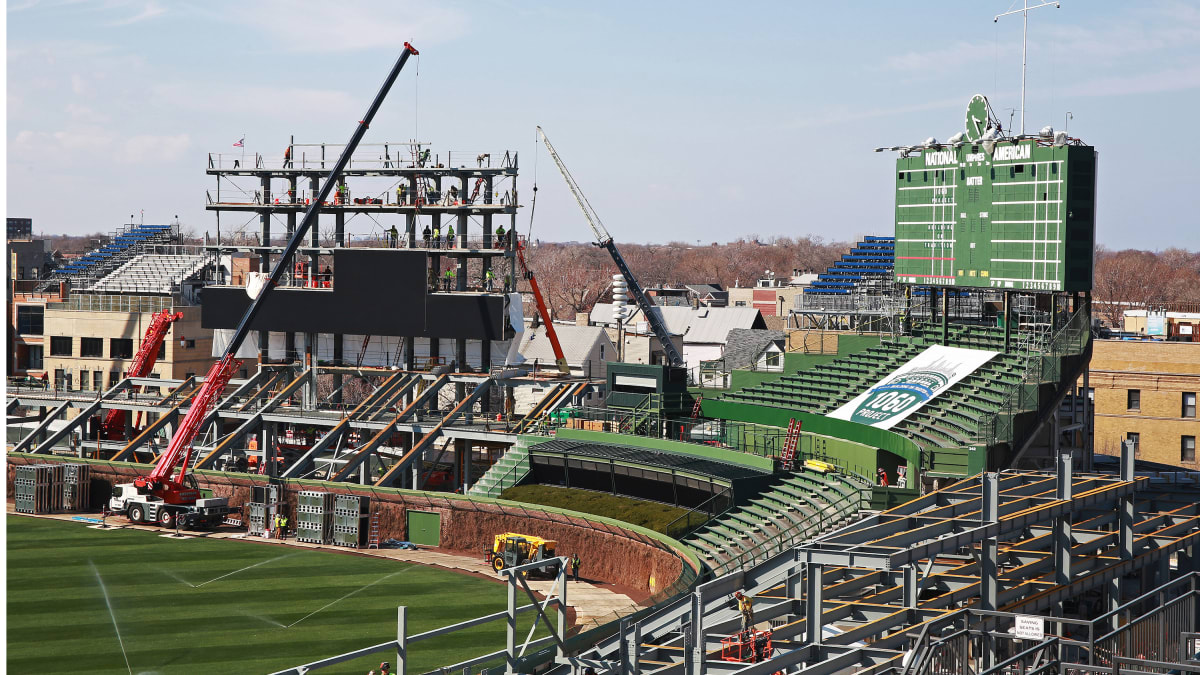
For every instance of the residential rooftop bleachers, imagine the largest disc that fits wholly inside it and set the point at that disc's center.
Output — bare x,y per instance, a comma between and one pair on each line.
124,243
151,273
871,259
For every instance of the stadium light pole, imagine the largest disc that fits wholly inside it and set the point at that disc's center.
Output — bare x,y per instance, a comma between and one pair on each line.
1024,12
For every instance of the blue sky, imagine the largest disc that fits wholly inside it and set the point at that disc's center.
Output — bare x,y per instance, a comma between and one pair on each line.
682,121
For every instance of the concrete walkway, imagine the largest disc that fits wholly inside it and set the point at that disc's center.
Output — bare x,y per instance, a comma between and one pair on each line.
593,604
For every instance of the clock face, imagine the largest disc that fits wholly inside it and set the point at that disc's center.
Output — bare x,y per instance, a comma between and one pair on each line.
977,117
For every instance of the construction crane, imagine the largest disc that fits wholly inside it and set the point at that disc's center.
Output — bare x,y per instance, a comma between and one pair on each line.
113,427
559,359
163,495
604,240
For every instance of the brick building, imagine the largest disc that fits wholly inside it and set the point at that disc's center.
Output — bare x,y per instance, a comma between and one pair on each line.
1146,392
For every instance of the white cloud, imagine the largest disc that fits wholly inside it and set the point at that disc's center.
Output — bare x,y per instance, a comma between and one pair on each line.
151,10
149,149
1172,79
317,26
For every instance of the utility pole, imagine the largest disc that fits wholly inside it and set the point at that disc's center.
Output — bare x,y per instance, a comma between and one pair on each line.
1024,12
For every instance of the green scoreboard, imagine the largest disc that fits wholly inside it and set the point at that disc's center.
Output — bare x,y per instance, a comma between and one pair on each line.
987,211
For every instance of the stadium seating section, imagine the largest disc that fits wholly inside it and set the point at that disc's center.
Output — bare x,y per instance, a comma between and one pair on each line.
869,262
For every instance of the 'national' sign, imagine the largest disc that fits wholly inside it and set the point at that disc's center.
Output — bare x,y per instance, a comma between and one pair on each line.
912,385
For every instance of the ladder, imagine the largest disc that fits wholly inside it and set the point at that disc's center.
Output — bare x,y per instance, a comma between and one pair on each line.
789,444
373,532
696,407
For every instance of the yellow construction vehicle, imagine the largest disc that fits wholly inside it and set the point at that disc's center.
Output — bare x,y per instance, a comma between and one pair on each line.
510,549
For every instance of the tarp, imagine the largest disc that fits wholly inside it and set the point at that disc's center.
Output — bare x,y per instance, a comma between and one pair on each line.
912,385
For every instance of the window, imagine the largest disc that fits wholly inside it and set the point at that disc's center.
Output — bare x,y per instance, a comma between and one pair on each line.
1133,400
98,380
120,348
1189,404
60,346
35,357
61,379
29,319
1136,438
91,347
162,351
1187,448
114,377
84,380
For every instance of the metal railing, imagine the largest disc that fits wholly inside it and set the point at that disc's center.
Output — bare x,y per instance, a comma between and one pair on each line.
1044,364
385,156
700,514
747,437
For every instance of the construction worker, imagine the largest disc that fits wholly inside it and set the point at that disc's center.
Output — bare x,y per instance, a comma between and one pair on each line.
46,380
488,278
575,566
451,196
449,236
427,234
400,194
746,607
425,156
343,194
448,279
883,477
287,158
283,522
499,237
393,237
437,236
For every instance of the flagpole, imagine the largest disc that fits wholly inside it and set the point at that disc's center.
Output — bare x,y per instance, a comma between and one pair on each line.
243,148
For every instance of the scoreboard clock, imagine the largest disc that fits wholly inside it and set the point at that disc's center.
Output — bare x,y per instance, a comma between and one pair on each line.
991,211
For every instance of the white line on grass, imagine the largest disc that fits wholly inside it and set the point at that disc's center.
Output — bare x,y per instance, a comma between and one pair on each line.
112,616
384,578
264,562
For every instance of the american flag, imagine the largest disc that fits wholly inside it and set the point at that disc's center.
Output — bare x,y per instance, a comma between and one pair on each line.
241,143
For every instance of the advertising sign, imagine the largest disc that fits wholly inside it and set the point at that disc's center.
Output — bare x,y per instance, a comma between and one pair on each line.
1156,324
912,385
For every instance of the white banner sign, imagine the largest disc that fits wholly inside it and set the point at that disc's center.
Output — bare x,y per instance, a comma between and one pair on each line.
912,385
1030,627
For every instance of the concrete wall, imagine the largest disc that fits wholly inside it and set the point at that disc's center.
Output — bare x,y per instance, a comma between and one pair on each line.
610,552
1162,372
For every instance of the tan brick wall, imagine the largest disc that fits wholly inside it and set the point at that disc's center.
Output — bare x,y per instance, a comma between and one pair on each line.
1162,372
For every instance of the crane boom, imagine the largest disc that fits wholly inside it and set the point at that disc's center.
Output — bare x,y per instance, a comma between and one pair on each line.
160,481
605,240
143,363
559,359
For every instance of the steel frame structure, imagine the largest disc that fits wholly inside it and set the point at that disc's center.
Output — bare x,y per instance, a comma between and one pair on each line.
1018,541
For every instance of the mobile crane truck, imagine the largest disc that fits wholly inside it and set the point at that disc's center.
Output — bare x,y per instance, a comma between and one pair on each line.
165,499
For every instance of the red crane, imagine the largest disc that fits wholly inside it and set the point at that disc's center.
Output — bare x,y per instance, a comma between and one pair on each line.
113,427
559,359
161,496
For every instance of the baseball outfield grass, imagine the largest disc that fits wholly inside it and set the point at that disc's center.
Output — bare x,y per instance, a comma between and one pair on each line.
82,600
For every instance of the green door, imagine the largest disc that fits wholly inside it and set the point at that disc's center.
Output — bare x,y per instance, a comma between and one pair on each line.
425,528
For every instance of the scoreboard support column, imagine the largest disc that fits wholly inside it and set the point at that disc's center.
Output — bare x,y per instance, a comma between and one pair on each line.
1007,319
945,317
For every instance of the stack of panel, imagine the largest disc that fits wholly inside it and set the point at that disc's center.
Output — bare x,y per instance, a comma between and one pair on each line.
314,516
76,480
348,514
264,494
38,488
257,525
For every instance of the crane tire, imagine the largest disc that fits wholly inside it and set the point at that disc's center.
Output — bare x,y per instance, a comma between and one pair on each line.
136,513
166,518
498,563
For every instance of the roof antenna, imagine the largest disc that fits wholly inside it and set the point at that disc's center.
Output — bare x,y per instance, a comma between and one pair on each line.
1024,12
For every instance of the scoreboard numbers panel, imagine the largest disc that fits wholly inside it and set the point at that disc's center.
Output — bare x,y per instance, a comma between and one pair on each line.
1020,217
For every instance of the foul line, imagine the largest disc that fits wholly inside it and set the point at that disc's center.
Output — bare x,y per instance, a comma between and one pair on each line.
112,616
248,567
350,594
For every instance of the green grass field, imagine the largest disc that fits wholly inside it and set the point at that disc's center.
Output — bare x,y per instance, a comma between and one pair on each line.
176,615
650,515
